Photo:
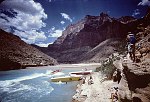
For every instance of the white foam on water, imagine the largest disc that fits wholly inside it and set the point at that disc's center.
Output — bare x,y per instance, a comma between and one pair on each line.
12,86
13,81
20,87
9,83
6,84
58,74
48,72
23,78
26,91
35,75
59,83
48,88
17,87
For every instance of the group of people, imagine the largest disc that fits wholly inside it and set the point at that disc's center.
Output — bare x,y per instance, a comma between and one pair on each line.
131,40
114,94
116,78
90,81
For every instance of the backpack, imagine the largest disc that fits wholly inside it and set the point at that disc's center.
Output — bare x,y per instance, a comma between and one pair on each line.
132,40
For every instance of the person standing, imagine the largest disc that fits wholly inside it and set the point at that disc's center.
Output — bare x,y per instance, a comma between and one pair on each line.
131,40
118,75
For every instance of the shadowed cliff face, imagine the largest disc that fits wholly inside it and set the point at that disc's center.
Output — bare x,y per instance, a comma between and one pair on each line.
78,40
16,54
135,82
90,31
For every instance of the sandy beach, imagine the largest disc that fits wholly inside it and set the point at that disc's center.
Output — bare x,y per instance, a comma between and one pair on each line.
80,65
99,91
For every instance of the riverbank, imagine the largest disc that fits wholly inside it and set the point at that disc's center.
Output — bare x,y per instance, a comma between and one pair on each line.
80,65
88,66
34,85
99,91
35,81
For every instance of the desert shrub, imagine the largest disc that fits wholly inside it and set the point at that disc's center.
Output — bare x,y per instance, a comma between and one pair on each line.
107,67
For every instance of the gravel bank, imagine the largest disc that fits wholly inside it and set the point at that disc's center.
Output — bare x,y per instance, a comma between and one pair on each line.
99,91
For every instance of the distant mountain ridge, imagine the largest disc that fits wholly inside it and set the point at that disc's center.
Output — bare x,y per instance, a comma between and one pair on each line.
90,31
16,54
93,38
77,40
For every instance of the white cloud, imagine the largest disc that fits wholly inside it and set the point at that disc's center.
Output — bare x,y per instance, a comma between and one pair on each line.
136,12
62,22
31,36
66,16
50,0
43,44
144,2
56,33
53,32
53,28
29,18
25,6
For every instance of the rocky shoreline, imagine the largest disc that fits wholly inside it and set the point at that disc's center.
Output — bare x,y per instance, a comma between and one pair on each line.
134,85
99,91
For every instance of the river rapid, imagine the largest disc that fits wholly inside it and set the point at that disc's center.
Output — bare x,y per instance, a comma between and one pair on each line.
34,84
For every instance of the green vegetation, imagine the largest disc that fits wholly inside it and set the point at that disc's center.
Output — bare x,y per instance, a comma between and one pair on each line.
107,66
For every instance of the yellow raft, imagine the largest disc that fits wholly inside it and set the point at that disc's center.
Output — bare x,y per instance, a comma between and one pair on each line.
66,78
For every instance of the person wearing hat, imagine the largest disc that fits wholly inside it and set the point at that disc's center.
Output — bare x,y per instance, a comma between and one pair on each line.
131,45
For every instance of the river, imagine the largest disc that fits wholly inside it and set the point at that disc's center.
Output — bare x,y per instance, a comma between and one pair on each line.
34,85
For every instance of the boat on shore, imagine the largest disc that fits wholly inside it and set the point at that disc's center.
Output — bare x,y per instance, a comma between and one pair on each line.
67,78
86,72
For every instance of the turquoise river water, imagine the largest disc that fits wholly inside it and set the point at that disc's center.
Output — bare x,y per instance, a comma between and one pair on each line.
34,85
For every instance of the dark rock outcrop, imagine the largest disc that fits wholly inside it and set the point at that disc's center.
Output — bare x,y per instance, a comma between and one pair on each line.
138,80
102,51
87,33
137,76
90,31
79,40
16,54
135,82
126,19
89,54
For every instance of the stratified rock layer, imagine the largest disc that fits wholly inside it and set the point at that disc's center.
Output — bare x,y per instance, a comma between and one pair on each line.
16,54
80,42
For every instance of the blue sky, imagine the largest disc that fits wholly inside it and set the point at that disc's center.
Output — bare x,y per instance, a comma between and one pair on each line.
42,21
